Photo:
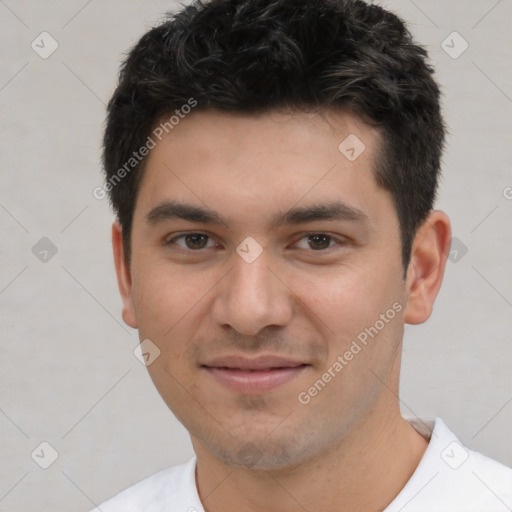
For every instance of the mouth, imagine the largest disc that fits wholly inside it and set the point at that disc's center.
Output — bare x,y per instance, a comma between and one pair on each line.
253,375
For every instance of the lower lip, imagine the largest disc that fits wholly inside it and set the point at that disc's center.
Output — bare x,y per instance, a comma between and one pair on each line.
259,380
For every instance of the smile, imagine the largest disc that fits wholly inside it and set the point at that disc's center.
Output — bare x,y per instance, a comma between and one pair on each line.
250,379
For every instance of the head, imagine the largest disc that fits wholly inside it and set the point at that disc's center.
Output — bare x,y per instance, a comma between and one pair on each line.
260,56
280,163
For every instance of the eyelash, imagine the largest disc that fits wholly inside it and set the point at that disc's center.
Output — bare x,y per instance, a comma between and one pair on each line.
332,238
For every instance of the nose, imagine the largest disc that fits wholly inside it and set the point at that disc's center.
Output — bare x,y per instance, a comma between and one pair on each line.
251,297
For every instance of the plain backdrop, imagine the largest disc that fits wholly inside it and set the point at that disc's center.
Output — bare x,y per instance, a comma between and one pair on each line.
68,375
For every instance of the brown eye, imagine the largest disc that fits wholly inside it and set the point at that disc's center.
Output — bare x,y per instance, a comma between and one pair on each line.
196,241
319,241
191,241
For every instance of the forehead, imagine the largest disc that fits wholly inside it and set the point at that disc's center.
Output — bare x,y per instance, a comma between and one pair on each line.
245,163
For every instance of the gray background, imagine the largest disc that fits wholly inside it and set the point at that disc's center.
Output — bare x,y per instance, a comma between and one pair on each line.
68,373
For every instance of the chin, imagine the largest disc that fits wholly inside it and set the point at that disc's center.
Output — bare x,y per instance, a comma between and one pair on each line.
256,451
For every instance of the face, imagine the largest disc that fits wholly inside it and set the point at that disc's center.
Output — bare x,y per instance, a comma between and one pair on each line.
266,269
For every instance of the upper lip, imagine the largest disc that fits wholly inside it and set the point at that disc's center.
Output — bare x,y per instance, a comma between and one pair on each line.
257,363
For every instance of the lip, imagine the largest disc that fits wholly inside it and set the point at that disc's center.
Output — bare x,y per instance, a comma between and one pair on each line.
253,375
257,363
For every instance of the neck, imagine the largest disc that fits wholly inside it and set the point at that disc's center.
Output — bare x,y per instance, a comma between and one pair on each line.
365,471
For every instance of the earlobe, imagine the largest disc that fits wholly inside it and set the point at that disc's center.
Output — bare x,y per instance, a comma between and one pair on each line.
124,280
430,250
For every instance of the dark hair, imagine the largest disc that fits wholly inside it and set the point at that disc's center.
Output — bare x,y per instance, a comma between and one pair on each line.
254,56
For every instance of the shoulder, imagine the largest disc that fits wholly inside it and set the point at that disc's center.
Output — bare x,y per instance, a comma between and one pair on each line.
453,478
479,483
488,480
173,487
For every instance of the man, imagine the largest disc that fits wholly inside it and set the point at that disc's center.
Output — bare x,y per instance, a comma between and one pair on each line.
273,166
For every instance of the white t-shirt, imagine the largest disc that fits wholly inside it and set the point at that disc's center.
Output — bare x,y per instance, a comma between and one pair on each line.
449,478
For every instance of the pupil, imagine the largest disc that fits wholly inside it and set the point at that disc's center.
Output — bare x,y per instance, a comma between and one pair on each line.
319,241
197,241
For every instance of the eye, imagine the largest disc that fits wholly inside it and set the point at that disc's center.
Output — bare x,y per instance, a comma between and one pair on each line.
317,242
191,241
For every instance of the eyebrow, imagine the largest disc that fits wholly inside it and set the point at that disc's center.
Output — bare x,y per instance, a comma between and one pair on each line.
333,210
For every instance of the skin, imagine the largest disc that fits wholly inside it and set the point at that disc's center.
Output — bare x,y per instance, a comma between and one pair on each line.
297,300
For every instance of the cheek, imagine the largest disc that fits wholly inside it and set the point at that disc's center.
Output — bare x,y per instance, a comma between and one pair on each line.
172,306
361,343
347,302
163,299
341,299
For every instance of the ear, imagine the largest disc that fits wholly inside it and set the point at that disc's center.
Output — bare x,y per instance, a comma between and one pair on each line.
124,279
430,250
